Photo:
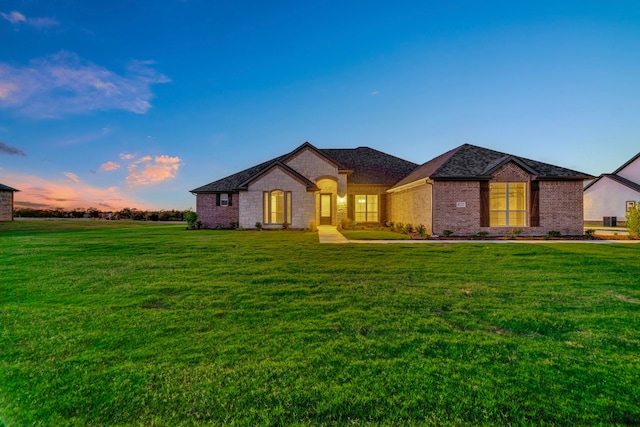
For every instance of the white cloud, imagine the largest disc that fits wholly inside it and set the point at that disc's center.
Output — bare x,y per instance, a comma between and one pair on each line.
109,166
64,84
6,89
125,156
42,22
374,93
72,177
14,17
149,170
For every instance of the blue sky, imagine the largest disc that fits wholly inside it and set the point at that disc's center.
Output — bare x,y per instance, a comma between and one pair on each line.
134,103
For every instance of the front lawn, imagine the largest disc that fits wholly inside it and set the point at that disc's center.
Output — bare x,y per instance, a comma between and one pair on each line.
105,323
373,235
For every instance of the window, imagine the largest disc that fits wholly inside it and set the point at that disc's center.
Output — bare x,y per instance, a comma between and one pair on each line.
508,204
366,208
276,207
224,199
630,206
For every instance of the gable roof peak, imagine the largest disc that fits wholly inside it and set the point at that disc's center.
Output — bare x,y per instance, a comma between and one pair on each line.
627,163
471,162
310,146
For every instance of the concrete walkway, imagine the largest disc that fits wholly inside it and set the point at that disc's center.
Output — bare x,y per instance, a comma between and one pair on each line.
329,234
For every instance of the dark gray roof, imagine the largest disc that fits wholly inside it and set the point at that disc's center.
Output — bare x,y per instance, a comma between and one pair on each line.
370,166
618,179
470,162
367,166
232,182
7,188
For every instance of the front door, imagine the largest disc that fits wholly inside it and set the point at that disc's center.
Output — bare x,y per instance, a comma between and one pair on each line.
325,209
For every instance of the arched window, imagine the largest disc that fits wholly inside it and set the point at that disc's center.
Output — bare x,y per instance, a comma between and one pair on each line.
277,207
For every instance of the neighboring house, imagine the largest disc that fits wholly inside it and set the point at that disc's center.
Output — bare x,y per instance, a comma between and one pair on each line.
613,194
466,190
6,202
305,186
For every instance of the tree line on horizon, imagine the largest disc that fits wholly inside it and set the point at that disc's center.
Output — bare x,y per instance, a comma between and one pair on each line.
94,213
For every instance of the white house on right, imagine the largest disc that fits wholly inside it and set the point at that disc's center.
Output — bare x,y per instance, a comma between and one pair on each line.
612,195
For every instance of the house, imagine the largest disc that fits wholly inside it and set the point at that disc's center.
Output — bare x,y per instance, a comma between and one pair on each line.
308,185
472,189
612,195
465,190
6,202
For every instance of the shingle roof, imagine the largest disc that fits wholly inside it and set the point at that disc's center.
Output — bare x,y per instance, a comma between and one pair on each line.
231,182
367,166
7,188
470,162
618,179
370,166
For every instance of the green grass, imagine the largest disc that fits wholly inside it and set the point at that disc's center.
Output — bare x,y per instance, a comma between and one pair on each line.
373,235
108,323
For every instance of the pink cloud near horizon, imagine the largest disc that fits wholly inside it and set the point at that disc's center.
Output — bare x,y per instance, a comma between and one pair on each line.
72,177
109,166
39,193
150,170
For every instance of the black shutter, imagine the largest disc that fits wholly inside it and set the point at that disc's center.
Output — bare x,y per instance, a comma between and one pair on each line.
217,199
230,199
351,207
485,212
534,220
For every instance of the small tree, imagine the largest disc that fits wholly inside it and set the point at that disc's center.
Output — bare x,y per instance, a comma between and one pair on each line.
633,222
192,220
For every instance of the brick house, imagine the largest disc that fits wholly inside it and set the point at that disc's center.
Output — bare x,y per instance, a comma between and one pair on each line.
465,190
6,202
307,185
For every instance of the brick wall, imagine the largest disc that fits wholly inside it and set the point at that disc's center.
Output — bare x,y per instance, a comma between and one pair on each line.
312,166
380,190
6,205
211,215
561,205
302,202
448,214
411,206
511,172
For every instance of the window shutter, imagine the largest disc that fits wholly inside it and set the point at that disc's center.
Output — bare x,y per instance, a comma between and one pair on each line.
534,220
484,204
217,199
230,199
265,207
351,206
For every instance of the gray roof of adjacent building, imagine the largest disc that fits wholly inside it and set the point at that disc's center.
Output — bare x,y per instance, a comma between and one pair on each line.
617,178
7,188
